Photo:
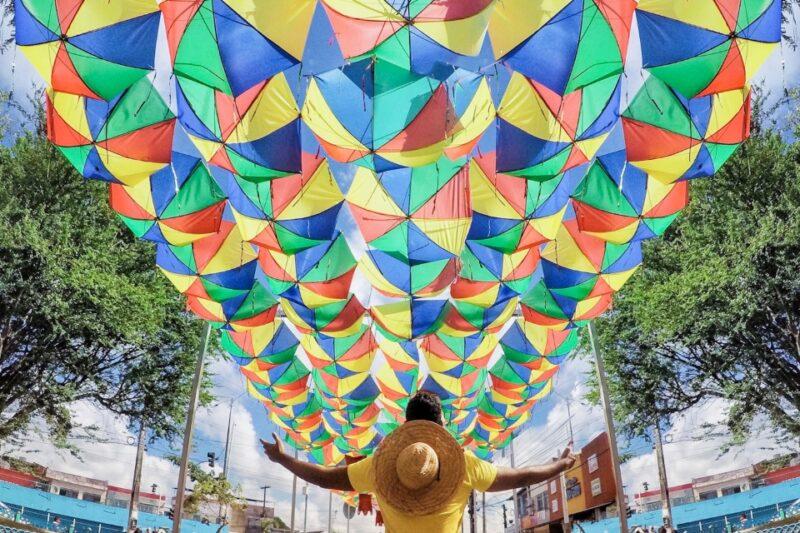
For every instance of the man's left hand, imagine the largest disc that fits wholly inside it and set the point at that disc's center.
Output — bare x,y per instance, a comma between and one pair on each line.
567,458
273,450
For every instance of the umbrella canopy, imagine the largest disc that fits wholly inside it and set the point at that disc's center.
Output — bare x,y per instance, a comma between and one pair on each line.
88,48
123,140
500,163
705,47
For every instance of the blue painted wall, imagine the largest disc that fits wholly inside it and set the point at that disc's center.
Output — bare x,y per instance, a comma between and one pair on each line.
766,503
91,516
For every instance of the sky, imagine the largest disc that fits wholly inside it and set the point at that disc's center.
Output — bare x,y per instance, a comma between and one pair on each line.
544,436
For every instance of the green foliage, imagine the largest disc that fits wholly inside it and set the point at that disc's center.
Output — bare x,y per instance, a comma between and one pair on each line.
83,313
208,489
715,311
268,524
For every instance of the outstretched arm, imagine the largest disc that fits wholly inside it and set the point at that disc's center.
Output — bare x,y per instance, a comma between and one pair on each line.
322,476
514,478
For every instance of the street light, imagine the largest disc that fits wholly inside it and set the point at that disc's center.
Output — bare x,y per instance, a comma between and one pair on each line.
264,501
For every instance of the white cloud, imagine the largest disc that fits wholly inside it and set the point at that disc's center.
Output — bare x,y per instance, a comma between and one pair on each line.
112,461
686,457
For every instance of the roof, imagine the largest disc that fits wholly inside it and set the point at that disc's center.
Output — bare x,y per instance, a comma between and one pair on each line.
142,494
676,488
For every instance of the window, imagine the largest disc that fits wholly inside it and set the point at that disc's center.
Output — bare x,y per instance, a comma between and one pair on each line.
727,491
541,501
680,500
708,495
597,488
116,502
573,488
68,493
90,497
553,487
591,463
554,506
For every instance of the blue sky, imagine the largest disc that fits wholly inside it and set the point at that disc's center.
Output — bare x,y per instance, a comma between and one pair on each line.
547,432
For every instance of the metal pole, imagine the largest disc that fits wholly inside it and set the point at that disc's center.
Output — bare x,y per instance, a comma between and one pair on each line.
483,510
565,510
569,420
133,507
666,505
227,454
294,496
612,435
472,512
305,508
330,511
227,443
194,399
514,491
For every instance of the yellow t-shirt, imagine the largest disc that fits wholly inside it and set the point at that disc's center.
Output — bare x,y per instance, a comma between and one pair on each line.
479,476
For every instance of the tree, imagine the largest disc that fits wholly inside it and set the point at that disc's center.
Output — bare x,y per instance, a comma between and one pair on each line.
715,311
270,524
208,489
84,315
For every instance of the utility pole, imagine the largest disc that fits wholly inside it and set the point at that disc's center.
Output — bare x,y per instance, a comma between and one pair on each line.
567,526
294,496
666,505
565,510
305,508
264,501
133,507
517,513
612,435
227,455
483,510
194,399
227,443
330,511
472,512
514,491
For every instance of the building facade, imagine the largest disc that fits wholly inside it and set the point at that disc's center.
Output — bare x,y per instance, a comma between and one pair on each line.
148,502
722,484
590,491
650,500
78,487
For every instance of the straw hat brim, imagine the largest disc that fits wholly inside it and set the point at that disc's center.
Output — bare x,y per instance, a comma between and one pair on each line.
452,468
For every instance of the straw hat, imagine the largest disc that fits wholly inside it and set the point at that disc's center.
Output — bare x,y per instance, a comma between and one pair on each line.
418,467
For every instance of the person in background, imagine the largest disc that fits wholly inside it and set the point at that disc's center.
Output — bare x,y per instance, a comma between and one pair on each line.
419,473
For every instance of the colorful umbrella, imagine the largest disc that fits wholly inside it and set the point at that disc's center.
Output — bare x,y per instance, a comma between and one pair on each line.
703,47
177,205
124,140
673,138
88,48
415,222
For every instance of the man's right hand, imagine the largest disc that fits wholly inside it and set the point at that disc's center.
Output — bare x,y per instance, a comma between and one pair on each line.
274,451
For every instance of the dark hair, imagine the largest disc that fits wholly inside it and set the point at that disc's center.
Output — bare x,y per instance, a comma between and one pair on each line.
424,405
